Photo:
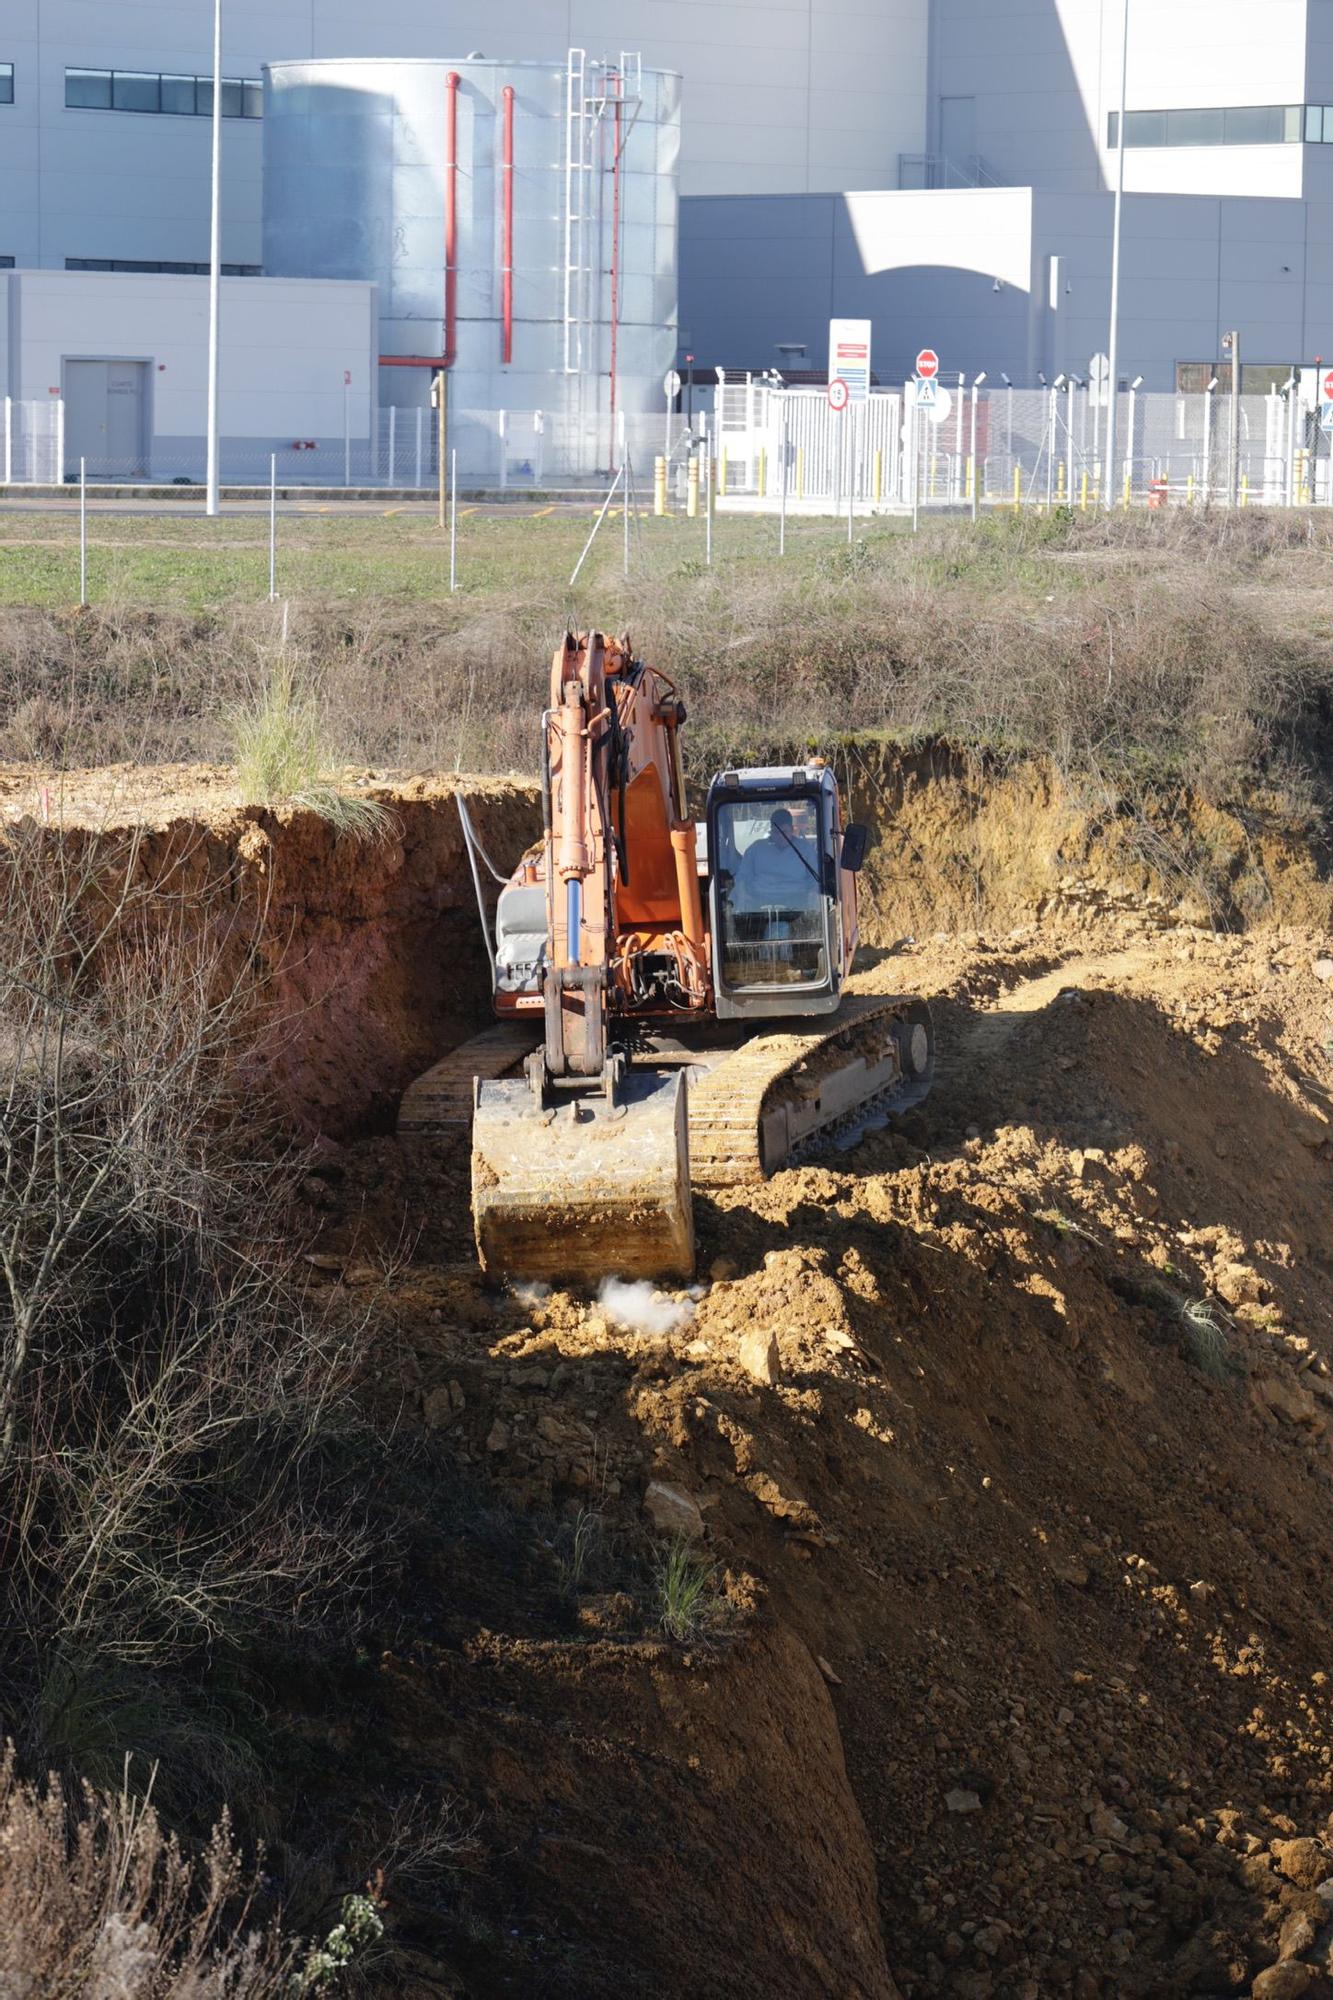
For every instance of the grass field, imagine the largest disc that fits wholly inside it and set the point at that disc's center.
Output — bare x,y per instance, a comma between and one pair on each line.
185,562
1135,648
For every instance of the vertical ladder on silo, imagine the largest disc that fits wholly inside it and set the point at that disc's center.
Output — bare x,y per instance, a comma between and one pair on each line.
575,185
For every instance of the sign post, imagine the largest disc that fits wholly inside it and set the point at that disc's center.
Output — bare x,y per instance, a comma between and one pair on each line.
670,389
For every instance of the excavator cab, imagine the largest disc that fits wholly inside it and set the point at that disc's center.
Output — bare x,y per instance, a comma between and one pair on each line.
782,889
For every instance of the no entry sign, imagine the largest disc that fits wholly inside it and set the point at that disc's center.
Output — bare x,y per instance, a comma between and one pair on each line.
927,364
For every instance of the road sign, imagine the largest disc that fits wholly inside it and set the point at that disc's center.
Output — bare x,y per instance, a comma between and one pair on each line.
839,395
926,392
849,356
1326,385
1099,381
927,364
671,384
941,403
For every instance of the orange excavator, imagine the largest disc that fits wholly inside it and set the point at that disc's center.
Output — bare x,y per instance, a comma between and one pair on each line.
670,997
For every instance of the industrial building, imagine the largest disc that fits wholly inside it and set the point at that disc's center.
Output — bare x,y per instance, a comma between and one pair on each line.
940,166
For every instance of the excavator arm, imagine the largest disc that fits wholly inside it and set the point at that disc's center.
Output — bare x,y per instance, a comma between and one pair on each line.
583,1169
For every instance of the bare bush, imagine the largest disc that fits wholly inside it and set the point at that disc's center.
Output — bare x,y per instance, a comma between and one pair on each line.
98,1900
170,1412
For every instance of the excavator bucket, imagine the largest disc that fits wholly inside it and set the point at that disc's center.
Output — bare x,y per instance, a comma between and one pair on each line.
587,1189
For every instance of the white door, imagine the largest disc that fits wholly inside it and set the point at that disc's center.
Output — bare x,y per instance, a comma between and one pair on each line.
105,418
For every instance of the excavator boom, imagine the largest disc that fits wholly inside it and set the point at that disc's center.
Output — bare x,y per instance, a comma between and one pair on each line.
582,1168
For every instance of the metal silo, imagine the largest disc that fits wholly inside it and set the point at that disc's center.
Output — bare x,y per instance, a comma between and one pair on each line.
519,219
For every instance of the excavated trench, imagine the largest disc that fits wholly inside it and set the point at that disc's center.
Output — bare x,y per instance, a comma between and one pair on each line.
1009,1436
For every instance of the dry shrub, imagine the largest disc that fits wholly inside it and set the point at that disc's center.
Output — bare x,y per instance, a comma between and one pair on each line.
1188,646
98,1900
171,1413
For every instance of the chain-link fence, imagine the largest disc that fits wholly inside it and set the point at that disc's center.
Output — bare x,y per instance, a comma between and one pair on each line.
979,447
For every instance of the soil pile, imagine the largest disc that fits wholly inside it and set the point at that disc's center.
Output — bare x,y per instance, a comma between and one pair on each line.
1020,1419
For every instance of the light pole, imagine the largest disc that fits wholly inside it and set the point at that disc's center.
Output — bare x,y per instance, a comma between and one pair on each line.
215,266
1113,339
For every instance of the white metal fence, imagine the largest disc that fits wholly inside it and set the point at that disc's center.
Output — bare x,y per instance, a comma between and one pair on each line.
506,449
31,444
982,448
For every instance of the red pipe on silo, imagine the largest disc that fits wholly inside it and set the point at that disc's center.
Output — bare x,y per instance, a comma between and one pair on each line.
507,275
450,215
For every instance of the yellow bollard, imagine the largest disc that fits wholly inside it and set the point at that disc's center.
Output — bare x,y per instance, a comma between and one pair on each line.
692,489
1189,491
1060,483
659,485
1018,487
722,476
1124,497
1244,489
1083,492
761,477
879,477
968,477
800,472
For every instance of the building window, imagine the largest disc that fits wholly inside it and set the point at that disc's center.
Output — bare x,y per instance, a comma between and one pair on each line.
6,263
6,83
145,90
1227,125
157,266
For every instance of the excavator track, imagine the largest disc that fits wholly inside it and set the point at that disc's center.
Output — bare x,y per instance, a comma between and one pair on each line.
441,1100
781,1098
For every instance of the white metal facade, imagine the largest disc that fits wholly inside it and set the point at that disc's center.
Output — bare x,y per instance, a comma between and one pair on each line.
126,357
781,96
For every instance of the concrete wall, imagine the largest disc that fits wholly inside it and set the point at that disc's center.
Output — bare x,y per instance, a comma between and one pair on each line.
779,95
286,346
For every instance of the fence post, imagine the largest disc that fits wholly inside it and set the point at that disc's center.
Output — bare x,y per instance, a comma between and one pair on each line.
708,493
1053,419
417,481
393,428
9,442
503,437
782,498
272,526
453,518
83,532
347,435
1070,399
972,454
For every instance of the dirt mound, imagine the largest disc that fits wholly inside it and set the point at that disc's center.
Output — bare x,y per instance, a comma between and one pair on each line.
964,840
368,952
1020,1416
